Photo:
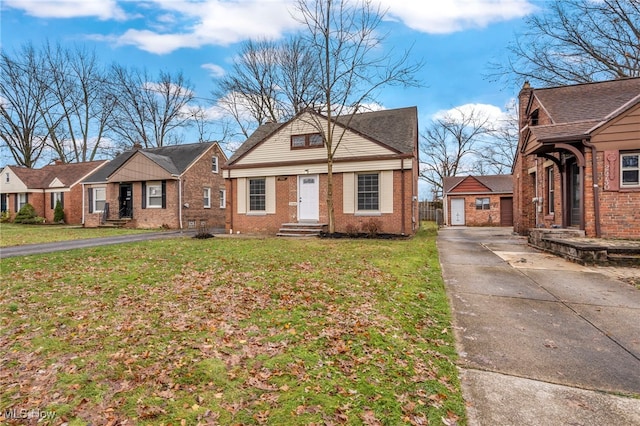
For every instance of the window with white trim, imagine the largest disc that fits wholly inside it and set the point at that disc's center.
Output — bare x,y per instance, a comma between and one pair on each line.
368,192
22,200
311,140
99,199
630,170
223,198
214,164
257,195
483,203
207,198
154,195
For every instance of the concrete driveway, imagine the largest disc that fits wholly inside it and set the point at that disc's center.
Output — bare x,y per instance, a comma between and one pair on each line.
542,341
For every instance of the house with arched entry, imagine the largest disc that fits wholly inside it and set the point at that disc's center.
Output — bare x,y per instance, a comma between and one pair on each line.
578,159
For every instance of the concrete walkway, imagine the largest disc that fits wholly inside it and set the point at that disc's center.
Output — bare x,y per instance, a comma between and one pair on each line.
542,341
28,249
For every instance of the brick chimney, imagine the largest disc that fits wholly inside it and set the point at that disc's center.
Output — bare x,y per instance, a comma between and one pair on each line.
137,146
523,100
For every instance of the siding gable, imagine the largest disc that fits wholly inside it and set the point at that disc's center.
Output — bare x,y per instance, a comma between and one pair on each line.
277,147
139,168
470,184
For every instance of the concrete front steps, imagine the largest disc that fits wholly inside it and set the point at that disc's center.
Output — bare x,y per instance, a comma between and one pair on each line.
114,223
301,229
573,245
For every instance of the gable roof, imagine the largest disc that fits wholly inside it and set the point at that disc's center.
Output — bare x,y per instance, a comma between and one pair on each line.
577,110
68,174
502,184
175,159
394,128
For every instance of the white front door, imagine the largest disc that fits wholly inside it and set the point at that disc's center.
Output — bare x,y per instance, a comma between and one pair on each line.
308,198
457,211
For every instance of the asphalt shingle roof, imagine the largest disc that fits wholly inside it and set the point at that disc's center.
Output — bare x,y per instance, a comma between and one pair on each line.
576,109
396,128
175,159
495,183
68,174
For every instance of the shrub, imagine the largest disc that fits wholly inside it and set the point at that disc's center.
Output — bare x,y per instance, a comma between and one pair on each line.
351,230
58,212
5,217
27,214
372,227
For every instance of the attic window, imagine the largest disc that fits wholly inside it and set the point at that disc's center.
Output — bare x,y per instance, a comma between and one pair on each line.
534,118
214,164
311,140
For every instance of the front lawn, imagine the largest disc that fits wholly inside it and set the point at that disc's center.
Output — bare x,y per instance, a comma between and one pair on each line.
231,331
13,234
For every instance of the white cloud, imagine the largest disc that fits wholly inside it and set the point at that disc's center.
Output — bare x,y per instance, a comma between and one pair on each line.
495,114
214,70
448,16
101,9
213,22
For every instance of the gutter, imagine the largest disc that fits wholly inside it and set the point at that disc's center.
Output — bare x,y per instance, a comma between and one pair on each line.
179,199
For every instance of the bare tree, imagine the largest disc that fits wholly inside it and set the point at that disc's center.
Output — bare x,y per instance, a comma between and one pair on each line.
498,153
22,99
577,41
344,34
270,81
77,122
450,144
149,111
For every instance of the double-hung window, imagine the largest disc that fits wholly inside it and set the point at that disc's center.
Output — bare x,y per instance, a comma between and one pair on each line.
257,195
207,198
550,191
154,195
214,164
223,198
368,192
630,169
99,199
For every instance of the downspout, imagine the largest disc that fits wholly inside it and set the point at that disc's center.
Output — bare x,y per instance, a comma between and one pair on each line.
83,189
179,199
230,201
402,195
596,189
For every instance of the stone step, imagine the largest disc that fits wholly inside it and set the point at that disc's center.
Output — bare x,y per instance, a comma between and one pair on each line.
300,229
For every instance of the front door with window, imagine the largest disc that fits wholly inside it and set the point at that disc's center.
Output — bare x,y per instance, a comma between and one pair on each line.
308,198
126,200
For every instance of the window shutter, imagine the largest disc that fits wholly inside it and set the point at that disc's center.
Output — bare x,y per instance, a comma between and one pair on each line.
15,204
611,171
52,197
90,194
62,199
386,191
144,195
270,195
348,193
241,189
164,194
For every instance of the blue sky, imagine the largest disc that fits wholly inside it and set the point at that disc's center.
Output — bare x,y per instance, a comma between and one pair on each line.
455,38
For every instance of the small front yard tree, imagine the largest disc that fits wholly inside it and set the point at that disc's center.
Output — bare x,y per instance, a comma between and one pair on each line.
58,212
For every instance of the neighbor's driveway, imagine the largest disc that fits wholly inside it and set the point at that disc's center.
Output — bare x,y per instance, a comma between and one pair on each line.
28,249
537,335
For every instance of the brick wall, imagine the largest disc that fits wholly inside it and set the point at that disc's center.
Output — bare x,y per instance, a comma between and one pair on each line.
287,208
475,217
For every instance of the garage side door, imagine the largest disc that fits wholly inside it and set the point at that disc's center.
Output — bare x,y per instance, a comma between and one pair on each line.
506,211
457,211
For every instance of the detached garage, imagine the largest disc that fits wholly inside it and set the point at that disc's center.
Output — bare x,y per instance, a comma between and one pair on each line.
478,200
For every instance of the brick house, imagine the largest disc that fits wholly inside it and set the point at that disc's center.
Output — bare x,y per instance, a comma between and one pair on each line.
279,175
578,159
43,188
177,186
478,200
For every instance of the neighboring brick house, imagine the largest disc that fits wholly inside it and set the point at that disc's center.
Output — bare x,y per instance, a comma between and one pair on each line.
177,186
578,159
43,188
478,200
279,175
